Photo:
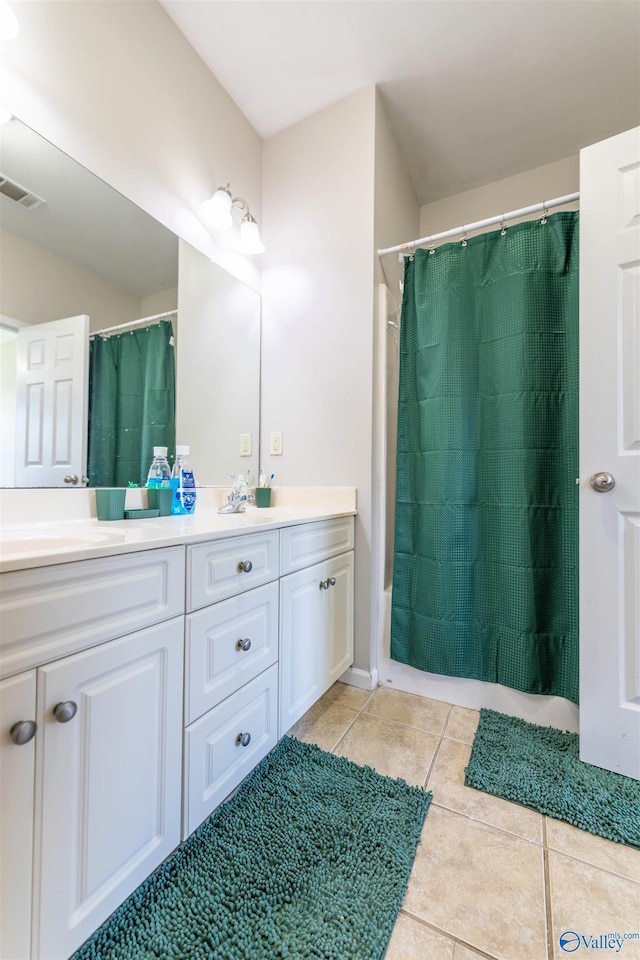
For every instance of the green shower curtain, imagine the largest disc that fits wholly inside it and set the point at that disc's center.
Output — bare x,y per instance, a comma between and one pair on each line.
485,581
131,403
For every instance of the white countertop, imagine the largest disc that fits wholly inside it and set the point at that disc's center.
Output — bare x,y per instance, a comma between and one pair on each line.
28,545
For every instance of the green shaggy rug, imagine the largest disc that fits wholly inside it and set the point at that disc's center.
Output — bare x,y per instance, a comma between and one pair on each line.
540,767
309,859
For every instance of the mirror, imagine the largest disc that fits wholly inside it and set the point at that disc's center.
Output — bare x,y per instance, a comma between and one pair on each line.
73,245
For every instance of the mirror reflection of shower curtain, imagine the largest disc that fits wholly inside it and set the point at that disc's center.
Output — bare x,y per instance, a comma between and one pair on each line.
131,403
485,579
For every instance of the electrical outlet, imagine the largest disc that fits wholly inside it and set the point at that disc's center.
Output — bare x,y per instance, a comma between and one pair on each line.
245,444
275,448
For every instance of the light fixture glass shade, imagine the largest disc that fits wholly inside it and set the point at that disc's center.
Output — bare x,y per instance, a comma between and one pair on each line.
218,209
250,241
9,26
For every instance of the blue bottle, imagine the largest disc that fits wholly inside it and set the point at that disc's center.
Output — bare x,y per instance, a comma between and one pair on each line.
183,484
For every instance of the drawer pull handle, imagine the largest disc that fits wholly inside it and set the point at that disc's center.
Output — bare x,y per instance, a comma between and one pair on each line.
243,644
245,566
23,731
65,711
243,740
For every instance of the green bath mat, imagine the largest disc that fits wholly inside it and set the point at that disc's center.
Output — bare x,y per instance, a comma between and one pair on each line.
309,859
539,767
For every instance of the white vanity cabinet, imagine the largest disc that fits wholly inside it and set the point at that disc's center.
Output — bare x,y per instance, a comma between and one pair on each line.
90,805
231,690
316,612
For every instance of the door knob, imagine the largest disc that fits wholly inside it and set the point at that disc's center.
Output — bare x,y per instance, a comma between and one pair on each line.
602,482
65,711
23,731
73,478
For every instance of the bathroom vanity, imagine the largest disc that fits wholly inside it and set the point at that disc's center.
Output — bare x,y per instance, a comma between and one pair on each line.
145,669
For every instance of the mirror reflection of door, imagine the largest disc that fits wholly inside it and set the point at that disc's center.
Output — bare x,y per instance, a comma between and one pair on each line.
52,374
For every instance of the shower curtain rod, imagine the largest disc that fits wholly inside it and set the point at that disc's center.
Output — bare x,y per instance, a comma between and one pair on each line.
133,323
479,224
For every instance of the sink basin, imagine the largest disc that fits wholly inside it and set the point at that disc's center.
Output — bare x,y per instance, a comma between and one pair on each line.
36,544
43,542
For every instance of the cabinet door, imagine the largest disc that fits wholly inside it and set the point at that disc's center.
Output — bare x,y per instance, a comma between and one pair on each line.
17,766
107,782
339,611
302,622
228,644
226,743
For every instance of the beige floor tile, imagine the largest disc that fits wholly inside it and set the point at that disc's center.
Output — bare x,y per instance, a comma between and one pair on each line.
446,780
324,723
392,749
595,850
348,696
463,953
409,709
590,902
411,940
481,886
462,724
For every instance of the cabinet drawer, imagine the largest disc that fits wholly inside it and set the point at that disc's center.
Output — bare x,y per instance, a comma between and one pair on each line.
215,762
214,571
309,543
217,664
49,612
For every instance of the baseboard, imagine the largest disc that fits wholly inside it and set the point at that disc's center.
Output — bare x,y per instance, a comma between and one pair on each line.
364,679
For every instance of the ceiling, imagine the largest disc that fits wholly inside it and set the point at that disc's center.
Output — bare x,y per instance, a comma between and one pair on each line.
475,90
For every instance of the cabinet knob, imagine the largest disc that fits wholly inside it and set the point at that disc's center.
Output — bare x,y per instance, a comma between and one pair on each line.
65,711
243,644
23,731
324,584
245,566
243,740
332,581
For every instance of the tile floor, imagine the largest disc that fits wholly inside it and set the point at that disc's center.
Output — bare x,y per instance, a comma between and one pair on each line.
491,879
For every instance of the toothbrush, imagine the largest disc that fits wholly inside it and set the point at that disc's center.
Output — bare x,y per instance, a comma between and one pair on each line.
261,481
271,478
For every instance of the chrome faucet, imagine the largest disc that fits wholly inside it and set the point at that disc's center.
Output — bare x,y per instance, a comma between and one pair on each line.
236,504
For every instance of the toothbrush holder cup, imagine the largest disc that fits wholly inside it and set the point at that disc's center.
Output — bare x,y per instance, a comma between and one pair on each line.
263,496
110,503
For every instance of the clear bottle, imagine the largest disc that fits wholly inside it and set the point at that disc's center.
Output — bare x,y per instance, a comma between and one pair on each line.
159,471
183,484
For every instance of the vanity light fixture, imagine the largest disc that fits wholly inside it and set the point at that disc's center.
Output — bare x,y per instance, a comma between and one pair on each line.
218,210
9,26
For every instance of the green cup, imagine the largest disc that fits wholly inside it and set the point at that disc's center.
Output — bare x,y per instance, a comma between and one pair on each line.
263,496
110,503
159,498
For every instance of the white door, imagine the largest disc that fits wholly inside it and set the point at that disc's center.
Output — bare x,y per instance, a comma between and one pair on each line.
108,780
17,768
52,403
610,444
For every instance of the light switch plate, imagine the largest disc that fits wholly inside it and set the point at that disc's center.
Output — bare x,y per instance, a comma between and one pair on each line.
245,444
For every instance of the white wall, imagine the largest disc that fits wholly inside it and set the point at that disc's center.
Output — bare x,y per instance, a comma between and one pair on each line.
541,183
117,86
317,285
36,286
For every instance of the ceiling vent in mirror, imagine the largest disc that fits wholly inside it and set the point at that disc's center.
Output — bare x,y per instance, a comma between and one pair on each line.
9,188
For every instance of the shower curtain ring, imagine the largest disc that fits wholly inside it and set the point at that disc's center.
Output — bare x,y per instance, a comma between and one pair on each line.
503,231
464,240
543,218
431,249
